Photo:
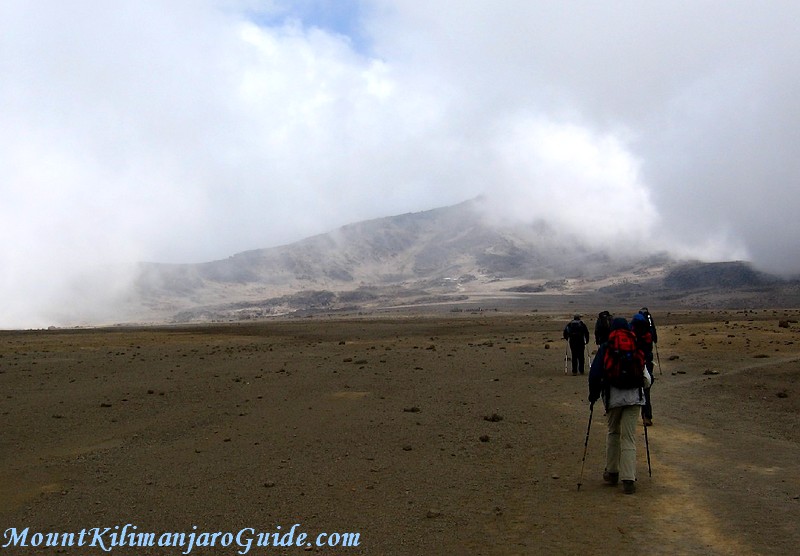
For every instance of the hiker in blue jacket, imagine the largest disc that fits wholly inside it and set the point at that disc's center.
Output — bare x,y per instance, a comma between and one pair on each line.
622,405
646,335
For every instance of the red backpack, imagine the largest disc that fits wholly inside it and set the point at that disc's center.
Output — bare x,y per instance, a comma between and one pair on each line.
623,363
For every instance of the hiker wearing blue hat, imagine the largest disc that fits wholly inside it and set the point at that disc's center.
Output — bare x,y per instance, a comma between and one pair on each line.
644,328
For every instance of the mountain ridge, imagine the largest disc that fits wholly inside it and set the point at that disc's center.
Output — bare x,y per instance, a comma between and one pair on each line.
445,255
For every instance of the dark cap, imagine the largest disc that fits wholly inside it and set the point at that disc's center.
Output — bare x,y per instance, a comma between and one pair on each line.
619,323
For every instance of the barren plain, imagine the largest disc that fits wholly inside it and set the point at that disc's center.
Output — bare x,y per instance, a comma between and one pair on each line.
436,433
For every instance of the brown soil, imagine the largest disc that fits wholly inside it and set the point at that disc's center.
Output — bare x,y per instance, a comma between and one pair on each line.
448,434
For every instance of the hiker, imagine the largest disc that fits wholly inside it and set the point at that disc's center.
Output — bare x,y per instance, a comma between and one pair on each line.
617,373
646,335
602,327
577,334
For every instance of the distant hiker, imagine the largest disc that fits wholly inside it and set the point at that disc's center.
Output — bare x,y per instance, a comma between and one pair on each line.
617,373
602,327
577,334
645,330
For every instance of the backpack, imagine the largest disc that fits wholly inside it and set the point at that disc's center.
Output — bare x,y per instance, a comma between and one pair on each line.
623,362
603,326
575,330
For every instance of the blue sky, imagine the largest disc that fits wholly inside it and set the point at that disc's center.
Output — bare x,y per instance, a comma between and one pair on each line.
190,130
342,17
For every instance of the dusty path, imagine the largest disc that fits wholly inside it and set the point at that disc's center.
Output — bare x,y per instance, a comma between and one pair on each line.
453,434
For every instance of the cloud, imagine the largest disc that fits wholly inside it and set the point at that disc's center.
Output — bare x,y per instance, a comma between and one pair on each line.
700,96
187,131
585,185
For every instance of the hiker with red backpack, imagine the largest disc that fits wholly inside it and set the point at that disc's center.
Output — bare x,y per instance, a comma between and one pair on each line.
644,328
577,334
618,374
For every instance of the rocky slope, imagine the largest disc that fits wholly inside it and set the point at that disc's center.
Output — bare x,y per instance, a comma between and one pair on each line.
450,254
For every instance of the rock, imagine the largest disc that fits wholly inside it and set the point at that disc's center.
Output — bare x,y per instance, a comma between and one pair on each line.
493,418
484,438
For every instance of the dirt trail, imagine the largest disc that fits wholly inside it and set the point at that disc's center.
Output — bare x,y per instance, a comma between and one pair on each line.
444,434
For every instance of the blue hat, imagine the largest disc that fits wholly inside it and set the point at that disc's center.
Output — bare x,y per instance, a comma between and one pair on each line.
619,323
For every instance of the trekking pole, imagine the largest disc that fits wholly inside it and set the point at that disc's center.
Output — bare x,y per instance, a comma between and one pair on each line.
658,359
647,448
586,444
566,355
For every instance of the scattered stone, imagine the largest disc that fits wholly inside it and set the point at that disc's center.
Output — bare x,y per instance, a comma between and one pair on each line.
783,324
782,394
710,372
413,409
547,346
433,513
485,438
556,476
269,484
674,357
493,418
407,448
681,372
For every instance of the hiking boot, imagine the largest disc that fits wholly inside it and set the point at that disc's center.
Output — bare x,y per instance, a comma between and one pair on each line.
610,478
648,422
628,487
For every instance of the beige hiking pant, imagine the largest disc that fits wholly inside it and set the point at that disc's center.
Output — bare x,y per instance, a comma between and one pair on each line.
621,441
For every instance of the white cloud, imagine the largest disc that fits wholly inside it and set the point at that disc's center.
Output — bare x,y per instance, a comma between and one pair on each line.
191,130
583,184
